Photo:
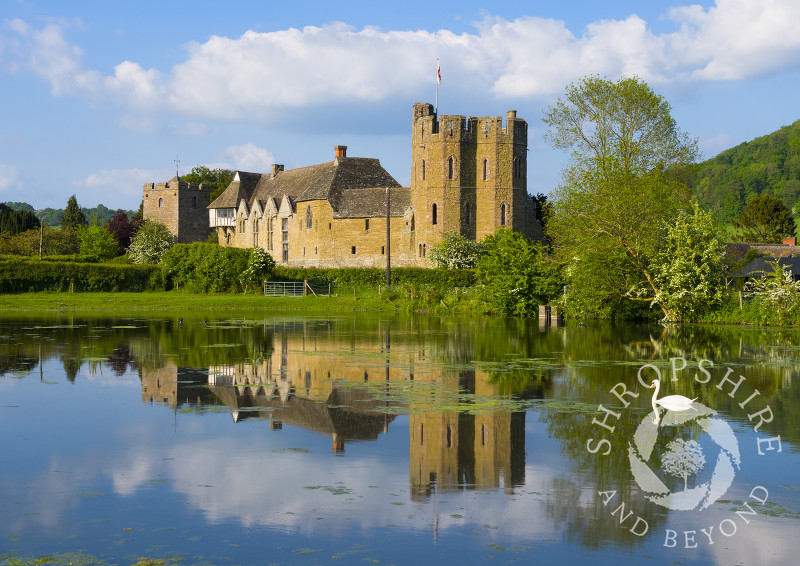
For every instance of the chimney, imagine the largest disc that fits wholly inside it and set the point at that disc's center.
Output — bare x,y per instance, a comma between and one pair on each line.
276,169
340,151
789,241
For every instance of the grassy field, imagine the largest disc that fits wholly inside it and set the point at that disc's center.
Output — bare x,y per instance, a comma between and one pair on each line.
178,301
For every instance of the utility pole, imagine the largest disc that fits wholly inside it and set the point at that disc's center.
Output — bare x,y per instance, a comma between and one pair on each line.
388,245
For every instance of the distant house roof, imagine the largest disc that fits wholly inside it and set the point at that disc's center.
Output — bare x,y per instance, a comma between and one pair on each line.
737,250
761,266
333,181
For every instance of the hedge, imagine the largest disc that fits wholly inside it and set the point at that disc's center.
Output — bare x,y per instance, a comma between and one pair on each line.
22,275
445,278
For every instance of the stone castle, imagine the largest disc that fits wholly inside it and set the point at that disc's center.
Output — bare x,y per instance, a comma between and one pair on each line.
468,176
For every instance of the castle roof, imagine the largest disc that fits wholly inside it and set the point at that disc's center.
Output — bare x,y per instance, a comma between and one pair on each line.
371,202
332,181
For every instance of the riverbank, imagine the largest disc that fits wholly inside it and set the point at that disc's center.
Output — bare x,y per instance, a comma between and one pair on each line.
170,301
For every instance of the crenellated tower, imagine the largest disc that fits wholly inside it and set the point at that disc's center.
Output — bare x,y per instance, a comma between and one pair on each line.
180,206
469,176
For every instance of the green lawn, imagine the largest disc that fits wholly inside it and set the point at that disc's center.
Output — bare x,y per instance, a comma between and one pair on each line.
173,301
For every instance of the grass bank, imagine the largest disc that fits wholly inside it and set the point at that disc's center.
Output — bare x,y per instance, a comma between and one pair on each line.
179,301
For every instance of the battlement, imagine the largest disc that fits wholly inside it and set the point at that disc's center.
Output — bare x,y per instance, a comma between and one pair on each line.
176,184
427,125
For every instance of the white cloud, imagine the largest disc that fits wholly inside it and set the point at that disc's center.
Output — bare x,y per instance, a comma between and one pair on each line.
251,76
9,178
249,157
123,184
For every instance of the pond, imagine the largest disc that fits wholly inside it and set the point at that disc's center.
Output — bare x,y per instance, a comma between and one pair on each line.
312,440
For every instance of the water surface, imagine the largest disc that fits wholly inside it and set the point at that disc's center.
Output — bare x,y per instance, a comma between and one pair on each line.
389,440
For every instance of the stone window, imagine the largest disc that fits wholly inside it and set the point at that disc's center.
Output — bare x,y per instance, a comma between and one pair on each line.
486,128
420,250
503,214
485,169
383,250
366,224
161,203
450,168
466,214
352,250
194,202
255,232
309,218
451,127
434,218
423,169
424,250
269,234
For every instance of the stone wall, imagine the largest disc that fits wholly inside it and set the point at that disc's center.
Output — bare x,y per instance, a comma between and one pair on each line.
181,207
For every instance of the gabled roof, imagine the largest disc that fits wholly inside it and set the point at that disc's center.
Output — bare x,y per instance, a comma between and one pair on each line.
326,181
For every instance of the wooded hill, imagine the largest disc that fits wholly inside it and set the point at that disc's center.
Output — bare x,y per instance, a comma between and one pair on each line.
767,165
52,216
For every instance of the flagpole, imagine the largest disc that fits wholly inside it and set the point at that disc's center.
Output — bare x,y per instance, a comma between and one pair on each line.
438,80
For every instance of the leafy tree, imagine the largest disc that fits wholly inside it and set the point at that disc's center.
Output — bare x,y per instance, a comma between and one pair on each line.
54,242
123,229
20,206
219,179
455,252
689,269
517,274
97,242
16,221
150,243
73,217
259,266
623,182
765,219
50,216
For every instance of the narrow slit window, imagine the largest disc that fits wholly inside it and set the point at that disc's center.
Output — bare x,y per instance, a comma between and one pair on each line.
434,214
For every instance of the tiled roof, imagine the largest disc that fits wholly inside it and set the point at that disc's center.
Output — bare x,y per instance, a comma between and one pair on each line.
371,203
759,266
330,181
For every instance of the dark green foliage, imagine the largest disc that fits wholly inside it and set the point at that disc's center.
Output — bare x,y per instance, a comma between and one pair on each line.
20,206
443,278
73,217
204,268
18,275
219,179
517,274
766,165
16,221
765,220
54,242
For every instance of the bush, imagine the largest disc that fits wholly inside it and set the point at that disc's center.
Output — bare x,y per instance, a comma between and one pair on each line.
203,268
18,275
97,242
150,243
54,242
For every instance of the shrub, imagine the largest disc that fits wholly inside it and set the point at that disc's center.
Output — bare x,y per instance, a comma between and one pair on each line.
150,243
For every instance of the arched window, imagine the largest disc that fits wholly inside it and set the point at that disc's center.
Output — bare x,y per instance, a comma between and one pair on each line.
503,214
420,250
423,169
485,169
160,203
450,168
309,219
434,210
424,250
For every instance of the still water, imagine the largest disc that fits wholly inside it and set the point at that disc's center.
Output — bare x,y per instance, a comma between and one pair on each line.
395,441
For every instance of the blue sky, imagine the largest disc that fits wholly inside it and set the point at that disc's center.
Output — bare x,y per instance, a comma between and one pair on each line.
99,97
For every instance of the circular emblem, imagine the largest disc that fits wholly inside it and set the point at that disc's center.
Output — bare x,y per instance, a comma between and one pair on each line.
659,451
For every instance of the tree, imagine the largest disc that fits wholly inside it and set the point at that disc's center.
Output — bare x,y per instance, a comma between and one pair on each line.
16,221
97,242
624,180
73,217
765,219
689,269
683,459
150,243
455,252
123,229
259,265
517,274
218,179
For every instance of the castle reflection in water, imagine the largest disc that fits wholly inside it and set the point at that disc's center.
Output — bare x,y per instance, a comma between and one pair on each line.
312,382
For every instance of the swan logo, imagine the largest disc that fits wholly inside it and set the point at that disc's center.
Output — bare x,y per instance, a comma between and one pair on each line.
659,446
